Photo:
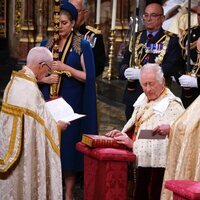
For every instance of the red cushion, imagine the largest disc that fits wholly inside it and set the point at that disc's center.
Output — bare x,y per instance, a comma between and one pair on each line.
105,172
106,153
184,188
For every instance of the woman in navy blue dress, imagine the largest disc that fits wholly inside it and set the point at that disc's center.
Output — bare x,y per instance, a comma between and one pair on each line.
78,90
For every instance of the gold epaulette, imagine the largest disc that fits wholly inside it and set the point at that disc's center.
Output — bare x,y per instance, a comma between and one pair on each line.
94,30
170,34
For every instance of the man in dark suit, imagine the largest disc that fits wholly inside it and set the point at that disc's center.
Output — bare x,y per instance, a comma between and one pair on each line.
93,35
190,81
152,45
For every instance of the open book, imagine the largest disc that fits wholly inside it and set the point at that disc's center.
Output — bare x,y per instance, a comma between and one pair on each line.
61,110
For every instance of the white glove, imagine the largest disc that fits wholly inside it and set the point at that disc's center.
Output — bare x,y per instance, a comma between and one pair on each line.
132,73
188,81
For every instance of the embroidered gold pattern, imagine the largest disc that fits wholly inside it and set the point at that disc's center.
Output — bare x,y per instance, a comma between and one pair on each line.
21,75
19,112
77,44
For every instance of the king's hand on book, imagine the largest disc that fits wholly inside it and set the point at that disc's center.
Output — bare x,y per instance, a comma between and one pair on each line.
113,133
121,138
125,140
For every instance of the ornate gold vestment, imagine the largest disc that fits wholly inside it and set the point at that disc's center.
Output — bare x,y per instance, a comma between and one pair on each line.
29,143
183,161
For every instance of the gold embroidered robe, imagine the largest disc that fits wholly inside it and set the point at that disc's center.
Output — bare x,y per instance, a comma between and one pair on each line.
183,161
29,143
163,110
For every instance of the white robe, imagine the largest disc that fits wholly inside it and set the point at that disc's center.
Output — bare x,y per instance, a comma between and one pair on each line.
30,165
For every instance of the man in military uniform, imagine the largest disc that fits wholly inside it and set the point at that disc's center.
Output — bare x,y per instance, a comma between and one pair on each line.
91,34
190,81
153,45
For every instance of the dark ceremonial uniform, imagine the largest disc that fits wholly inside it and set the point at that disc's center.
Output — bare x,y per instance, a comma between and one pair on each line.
190,94
95,38
163,48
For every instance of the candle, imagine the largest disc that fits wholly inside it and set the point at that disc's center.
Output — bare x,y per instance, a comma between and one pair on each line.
114,10
98,12
137,3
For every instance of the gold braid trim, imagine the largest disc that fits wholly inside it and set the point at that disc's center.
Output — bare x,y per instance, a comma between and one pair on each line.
19,112
195,70
137,47
182,41
138,50
67,48
11,146
21,75
160,57
24,76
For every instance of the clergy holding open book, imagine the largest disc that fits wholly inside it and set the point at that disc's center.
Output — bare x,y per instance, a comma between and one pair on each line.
154,111
30,166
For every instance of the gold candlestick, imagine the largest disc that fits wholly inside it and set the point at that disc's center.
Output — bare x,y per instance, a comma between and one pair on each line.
108,73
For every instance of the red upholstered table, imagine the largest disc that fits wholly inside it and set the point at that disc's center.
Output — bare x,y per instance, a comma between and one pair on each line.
105,172
184,189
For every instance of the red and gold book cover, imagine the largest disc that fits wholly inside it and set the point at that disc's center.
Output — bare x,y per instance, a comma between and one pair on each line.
102,141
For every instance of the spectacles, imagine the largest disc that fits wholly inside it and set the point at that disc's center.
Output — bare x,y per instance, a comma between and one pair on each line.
152,15
43,63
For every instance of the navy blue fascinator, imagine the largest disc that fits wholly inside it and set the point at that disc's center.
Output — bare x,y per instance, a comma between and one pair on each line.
65,5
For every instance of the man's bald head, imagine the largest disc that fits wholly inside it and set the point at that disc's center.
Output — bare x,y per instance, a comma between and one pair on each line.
153,17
